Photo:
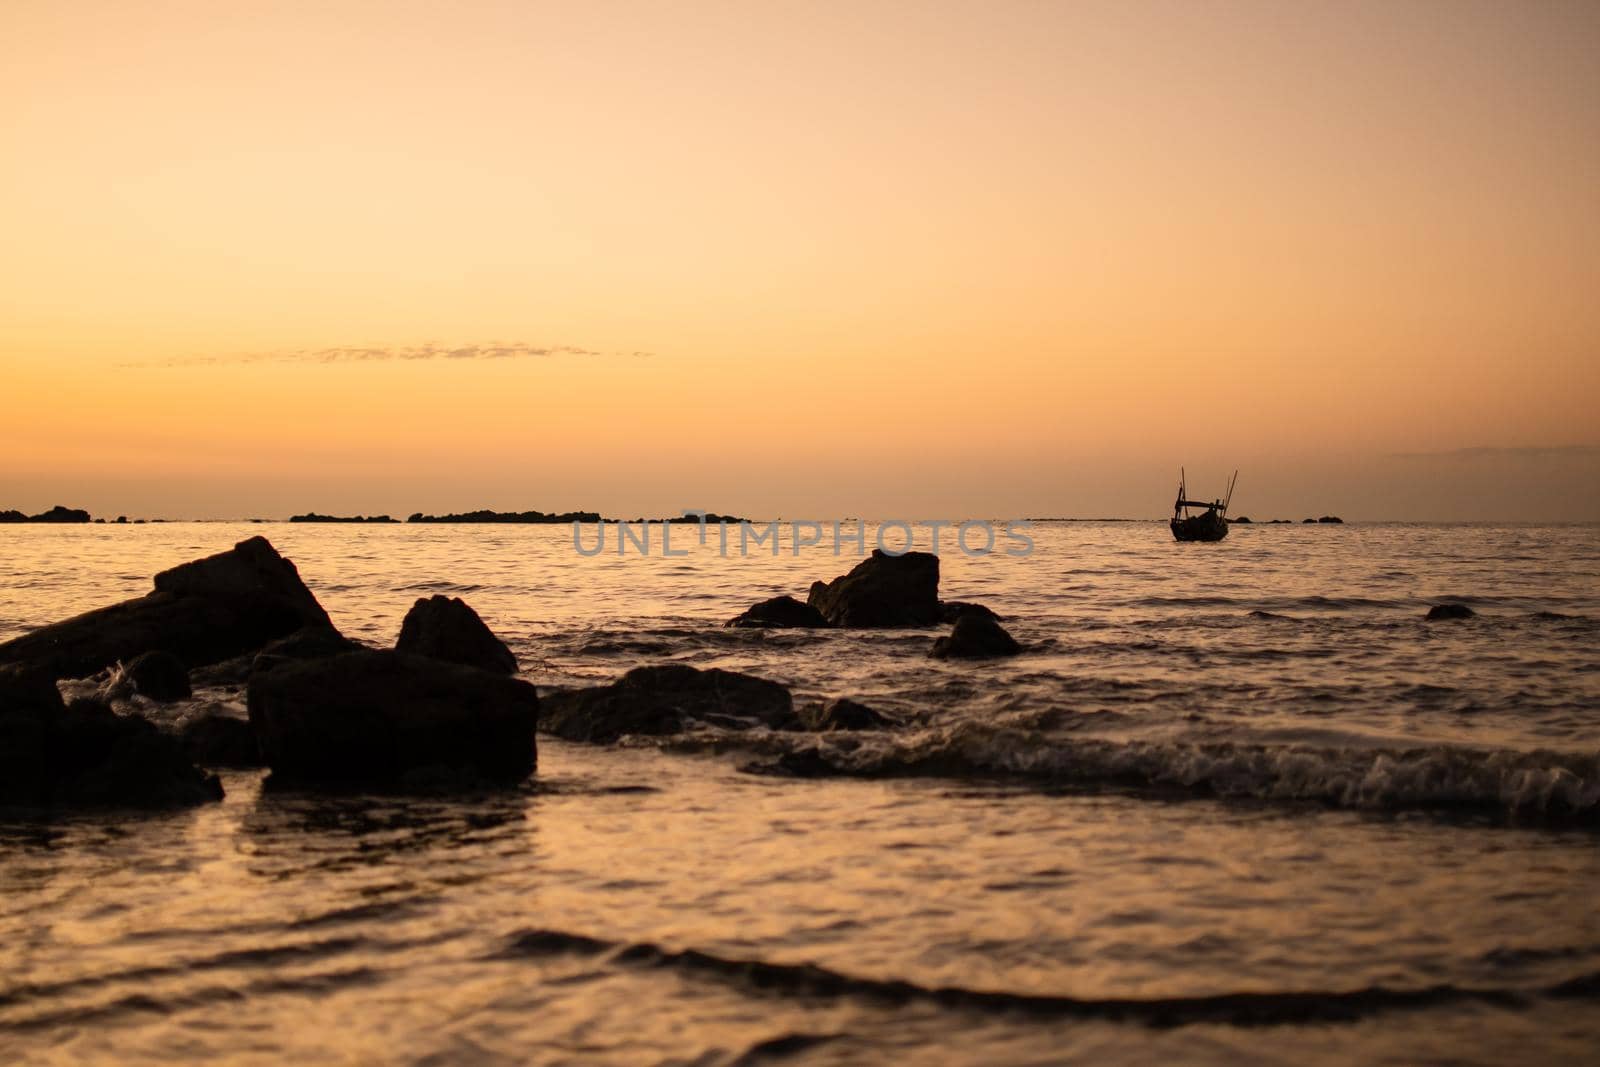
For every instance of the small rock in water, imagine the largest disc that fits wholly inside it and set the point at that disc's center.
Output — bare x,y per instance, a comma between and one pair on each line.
975,637
843,714
216,740
446,628
659,700
952,610
378,716
882,591
159,676
780,612
1449,611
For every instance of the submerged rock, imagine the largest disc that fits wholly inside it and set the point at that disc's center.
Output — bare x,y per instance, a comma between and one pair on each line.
86,755
881,591
843,714
159,676
445,628
202,612
216,740
975,637
780,612
390,718
1449,611
665,699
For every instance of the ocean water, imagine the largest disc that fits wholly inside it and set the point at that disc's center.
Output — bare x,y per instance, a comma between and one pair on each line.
1235,801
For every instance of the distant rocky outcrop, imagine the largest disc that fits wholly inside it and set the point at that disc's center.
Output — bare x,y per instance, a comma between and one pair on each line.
882,590
843,714
387,718
1241,518
55,514
779,612
202,612
975,637
1331,519
534,517
666,699
1449,611
86,755
312,516
445,628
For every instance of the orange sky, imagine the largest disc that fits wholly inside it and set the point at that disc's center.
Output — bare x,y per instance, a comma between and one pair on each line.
915,259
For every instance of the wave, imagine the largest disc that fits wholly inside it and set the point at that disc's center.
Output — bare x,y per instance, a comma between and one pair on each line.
1537,784
1281,1008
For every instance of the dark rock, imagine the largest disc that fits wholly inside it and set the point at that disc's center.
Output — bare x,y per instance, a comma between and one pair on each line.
975,637
10,515
1303,522
951,610
803,763
311,642
159,676
663,700
882,590
87,755
202,612
1449,611
781,612
380,717
1241,518
532,517
445,628
843,714
216,740
312,516
1331,519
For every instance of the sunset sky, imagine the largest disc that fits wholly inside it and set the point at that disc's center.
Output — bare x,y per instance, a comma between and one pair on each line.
920,259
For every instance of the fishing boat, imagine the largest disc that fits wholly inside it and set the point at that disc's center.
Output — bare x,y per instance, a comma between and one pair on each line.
1211,524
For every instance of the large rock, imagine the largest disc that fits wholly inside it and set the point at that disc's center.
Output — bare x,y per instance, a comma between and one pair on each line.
1449,611
442,627
389,718
202,612
952,610
882,590
975,637
311,642
664,700
85,755
779,613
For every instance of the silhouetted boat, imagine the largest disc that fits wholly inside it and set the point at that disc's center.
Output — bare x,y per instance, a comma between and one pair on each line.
1211,524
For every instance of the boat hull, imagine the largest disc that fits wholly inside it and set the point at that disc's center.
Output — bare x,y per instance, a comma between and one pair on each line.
1208,527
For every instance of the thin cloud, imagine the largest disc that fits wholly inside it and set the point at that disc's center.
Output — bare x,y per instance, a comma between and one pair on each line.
393,353
1528,452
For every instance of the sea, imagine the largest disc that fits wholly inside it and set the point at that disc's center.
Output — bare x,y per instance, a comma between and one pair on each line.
1234,802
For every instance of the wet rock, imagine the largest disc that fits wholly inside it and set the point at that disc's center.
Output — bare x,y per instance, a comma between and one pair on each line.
381,717
159,676
951,610
445,628
217,740
975,637
780,612
666,699
882,590
843,714
202,612
1449,611
85,755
